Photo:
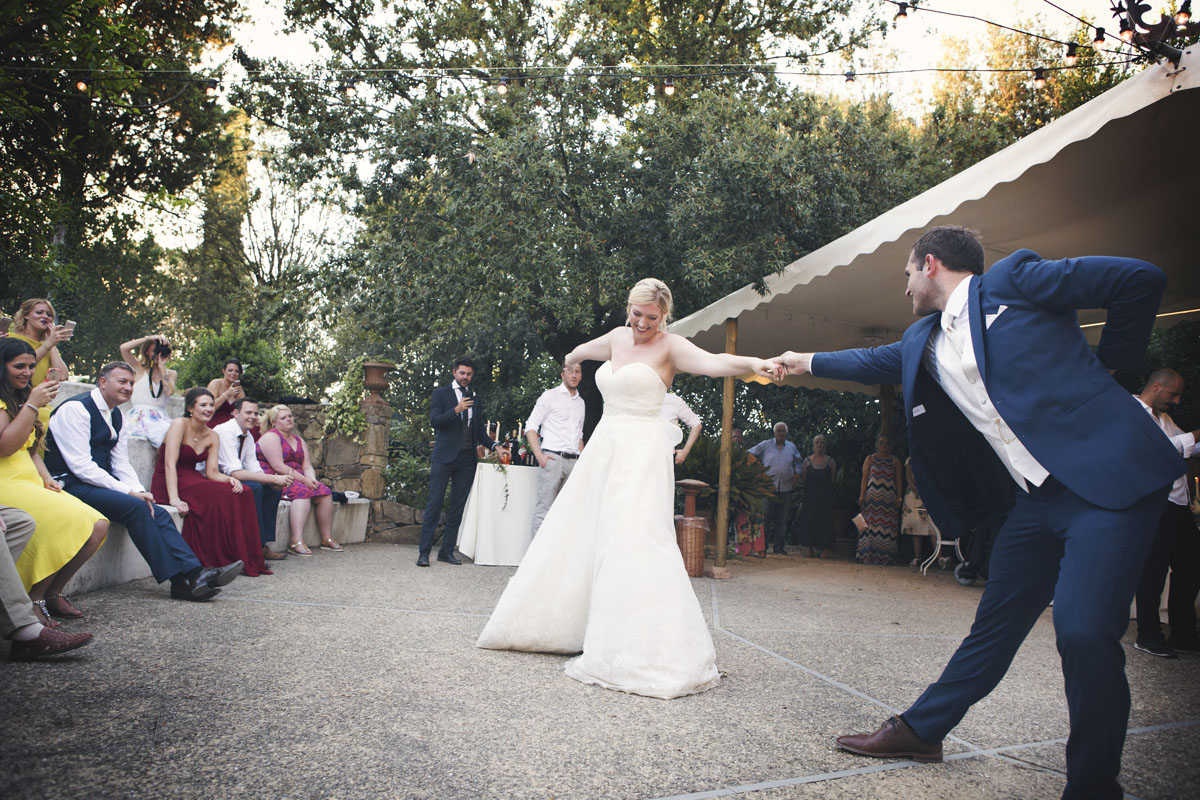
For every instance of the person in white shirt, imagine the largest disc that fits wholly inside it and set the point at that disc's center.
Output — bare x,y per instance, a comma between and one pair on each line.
1176,539
237,459
674,410
87,451
555,433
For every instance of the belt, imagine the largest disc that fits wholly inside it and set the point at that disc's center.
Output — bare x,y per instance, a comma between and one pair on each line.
567,456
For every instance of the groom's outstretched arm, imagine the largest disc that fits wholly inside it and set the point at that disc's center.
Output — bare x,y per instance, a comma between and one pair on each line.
873,365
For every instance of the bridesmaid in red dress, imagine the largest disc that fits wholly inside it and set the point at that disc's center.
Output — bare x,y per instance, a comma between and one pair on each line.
220,523
226,390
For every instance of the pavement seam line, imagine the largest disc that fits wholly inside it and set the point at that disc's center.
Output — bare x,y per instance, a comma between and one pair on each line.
242,599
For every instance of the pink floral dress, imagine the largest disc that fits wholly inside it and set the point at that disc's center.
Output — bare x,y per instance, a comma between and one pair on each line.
294,458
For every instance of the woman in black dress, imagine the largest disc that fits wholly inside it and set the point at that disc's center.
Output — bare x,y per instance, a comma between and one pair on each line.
816,514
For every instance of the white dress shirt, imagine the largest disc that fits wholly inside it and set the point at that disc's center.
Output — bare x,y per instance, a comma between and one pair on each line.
557,416
72,429
950,356
458,392
673,409
1185,443
229,459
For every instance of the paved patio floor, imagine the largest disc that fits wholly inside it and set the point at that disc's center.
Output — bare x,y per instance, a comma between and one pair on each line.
354,675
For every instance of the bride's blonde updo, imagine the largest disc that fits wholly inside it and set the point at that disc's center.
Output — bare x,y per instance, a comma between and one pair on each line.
647,291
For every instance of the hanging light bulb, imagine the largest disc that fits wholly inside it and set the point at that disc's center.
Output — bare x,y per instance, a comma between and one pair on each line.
850,75
1039,77
347,88
1071,58
81,85
1183,16
669,87
210,90
902,12
1126,31
502,87
1099,40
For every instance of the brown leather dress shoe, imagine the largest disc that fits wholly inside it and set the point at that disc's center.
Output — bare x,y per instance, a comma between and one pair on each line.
894,739
48,643
271,555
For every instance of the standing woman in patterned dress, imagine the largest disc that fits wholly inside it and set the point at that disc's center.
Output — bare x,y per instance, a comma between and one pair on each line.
880,501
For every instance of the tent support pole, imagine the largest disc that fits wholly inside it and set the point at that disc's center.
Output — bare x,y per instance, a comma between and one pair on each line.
722,520
887,397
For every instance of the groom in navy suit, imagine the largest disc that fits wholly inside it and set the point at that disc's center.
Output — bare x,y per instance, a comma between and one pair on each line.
1009,411
457,417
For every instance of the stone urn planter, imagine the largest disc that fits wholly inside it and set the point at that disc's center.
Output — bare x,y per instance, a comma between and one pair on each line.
375,380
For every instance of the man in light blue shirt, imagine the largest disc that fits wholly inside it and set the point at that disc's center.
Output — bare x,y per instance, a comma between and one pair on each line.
781,459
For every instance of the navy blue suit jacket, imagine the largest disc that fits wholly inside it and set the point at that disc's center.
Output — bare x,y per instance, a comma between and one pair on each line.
448,427
1050,388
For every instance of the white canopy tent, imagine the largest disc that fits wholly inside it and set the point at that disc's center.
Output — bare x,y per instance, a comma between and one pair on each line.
1116,176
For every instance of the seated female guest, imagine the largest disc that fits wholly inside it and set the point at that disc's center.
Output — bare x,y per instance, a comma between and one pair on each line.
34,324
282,452
220,522
68,531
226,390
153,384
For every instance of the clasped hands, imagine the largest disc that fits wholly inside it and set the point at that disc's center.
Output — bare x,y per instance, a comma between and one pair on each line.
779,367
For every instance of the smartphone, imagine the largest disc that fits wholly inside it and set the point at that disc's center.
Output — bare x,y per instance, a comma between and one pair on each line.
236,383
54,374
5,324
70,325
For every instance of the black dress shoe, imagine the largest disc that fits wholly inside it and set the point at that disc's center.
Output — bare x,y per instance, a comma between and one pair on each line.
183,590
449,559
423,560
216,577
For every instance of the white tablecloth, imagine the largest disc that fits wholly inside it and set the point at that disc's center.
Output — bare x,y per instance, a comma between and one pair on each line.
496,530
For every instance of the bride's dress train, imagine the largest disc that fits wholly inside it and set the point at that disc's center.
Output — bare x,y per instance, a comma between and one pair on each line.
604,577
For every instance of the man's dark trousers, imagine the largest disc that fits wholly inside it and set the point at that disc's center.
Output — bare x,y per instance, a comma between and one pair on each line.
460,474
1176,546
1056,546
266,503
153,532
779,509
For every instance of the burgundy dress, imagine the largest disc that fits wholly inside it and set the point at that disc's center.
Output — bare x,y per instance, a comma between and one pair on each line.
221,527
222,413
294,458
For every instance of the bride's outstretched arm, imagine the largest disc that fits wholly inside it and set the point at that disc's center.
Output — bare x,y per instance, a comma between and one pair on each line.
687,357
598,349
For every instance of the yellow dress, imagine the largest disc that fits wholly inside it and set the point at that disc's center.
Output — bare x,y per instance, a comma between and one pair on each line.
39,374
64,522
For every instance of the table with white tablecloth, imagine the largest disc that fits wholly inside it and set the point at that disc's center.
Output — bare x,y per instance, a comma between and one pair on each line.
497,525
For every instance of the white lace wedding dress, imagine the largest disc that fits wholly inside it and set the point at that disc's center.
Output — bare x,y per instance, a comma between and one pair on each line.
604,577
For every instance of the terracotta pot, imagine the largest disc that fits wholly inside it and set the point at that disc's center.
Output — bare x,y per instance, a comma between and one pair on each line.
375,380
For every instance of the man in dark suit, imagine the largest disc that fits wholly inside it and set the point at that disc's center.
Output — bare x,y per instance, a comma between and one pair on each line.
1001,388
457,419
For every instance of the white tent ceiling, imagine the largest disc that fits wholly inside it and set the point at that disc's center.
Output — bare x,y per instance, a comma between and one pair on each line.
1117,176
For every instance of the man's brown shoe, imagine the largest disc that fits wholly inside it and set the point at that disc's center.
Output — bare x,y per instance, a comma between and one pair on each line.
894,739
271,555
48,643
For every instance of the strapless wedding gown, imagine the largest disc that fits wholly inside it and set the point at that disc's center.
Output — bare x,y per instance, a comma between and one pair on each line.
604,577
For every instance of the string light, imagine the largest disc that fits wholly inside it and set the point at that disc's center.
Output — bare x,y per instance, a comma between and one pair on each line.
850,75
902,11
1183,16
1126,31
1099,40
212,88
81,85
502,87
347,88
669,87
1039,77
1071,58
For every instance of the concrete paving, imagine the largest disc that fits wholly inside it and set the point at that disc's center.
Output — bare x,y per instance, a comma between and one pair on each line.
354,675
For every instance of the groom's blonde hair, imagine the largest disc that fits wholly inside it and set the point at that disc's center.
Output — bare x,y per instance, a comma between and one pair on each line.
647,291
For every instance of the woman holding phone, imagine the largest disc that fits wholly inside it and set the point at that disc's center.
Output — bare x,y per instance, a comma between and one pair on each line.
34,324
226,391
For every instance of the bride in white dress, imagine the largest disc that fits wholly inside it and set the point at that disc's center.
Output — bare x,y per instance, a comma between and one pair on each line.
604,577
